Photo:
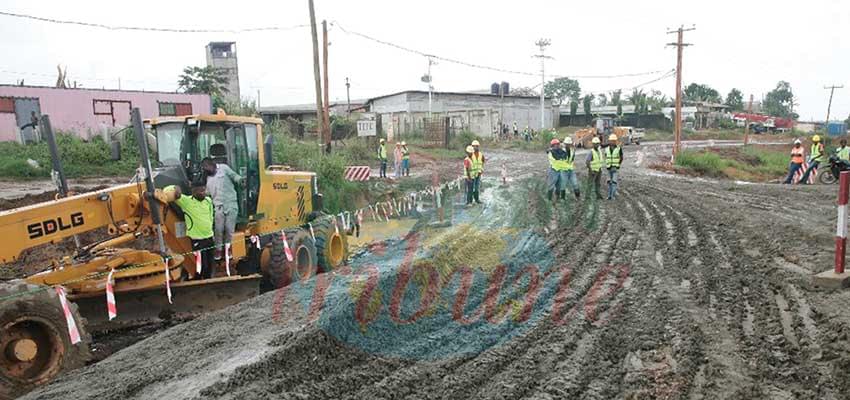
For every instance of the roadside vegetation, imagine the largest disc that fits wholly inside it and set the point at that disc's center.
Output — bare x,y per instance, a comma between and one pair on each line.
80,159
751,164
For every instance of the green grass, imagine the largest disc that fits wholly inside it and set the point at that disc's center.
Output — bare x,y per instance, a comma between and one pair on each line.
80,159
755,164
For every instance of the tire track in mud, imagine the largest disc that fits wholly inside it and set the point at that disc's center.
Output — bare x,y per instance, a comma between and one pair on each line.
742,297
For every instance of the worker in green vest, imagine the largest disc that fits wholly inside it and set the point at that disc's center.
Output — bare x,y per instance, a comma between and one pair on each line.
594,164
558,163
843,152
477,160
198,214
570,176
382,155
405,159
816,156
613,160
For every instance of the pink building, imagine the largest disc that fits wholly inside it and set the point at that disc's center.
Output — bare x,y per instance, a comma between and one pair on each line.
87,112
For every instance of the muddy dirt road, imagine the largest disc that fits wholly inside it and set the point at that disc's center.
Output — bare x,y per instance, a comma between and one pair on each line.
680,289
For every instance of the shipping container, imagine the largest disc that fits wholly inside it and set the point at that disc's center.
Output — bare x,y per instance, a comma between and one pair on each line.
836,129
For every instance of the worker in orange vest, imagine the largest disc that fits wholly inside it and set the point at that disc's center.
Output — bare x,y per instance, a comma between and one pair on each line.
797,153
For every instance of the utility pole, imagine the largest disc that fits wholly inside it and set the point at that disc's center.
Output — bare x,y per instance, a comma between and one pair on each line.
829,107
258,99
678,123
542,43
326,122
348,94
427,79
747,122
317,74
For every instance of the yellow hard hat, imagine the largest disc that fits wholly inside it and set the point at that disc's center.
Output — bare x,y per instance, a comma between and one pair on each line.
613,138
568,140
475,143
403,143
382,140
469,149
595,140
816,138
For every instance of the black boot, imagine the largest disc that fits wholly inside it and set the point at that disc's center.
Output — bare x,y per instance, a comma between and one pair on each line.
549,196
563,194
577,193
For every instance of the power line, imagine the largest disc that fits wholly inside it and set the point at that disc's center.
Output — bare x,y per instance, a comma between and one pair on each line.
481,66
150,29
669,74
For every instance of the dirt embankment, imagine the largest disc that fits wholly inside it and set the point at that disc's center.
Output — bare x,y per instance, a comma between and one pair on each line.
680,289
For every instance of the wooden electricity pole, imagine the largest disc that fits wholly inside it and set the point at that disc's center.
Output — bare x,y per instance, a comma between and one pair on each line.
747,122
678,122
316,73
829,107
326,122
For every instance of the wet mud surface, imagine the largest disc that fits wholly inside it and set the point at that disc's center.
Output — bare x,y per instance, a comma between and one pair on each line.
680,289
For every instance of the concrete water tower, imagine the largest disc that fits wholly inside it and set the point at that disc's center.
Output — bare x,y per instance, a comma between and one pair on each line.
223,55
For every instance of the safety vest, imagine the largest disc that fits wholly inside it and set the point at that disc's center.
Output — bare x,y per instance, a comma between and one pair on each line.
382,152
844,153
405,154
477,164
816,153
613,158
596,160
797,155
562,165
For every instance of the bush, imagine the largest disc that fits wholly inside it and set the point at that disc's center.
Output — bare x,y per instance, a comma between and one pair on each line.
463,139
80,159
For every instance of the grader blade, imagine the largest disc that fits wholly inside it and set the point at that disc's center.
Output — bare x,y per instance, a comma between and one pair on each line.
189,298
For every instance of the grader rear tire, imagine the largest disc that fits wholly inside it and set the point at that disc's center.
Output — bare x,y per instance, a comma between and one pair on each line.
34,343
331,247
282,272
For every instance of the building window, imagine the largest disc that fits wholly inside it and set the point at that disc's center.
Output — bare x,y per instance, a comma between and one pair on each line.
7,105
174,109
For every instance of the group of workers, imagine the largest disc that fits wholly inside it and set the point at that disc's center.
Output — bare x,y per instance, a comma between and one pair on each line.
562,167
817,156
210,212
401,159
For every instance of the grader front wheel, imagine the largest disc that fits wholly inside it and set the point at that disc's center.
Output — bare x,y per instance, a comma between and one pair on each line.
34,342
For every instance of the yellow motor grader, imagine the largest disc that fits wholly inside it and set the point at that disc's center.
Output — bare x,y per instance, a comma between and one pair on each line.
273,201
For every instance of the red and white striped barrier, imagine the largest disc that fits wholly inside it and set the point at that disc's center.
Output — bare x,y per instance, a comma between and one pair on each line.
111,309
286,248
841,229
73,332
358,173
799,174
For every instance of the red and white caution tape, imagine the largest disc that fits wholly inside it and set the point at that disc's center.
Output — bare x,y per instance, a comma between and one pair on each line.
198,262
286,248
111,309
167,281
384,209
227,258
73,332
360,217
372,210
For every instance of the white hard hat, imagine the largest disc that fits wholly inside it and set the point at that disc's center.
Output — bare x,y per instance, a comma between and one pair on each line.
469,149
797,141
475,143
595,140
568,140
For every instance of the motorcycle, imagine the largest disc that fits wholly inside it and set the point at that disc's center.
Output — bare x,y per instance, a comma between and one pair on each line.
835,168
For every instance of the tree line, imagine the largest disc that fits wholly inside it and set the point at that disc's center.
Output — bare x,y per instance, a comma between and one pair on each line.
778,102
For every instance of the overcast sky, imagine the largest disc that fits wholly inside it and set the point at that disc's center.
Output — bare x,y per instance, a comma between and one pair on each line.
745,44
